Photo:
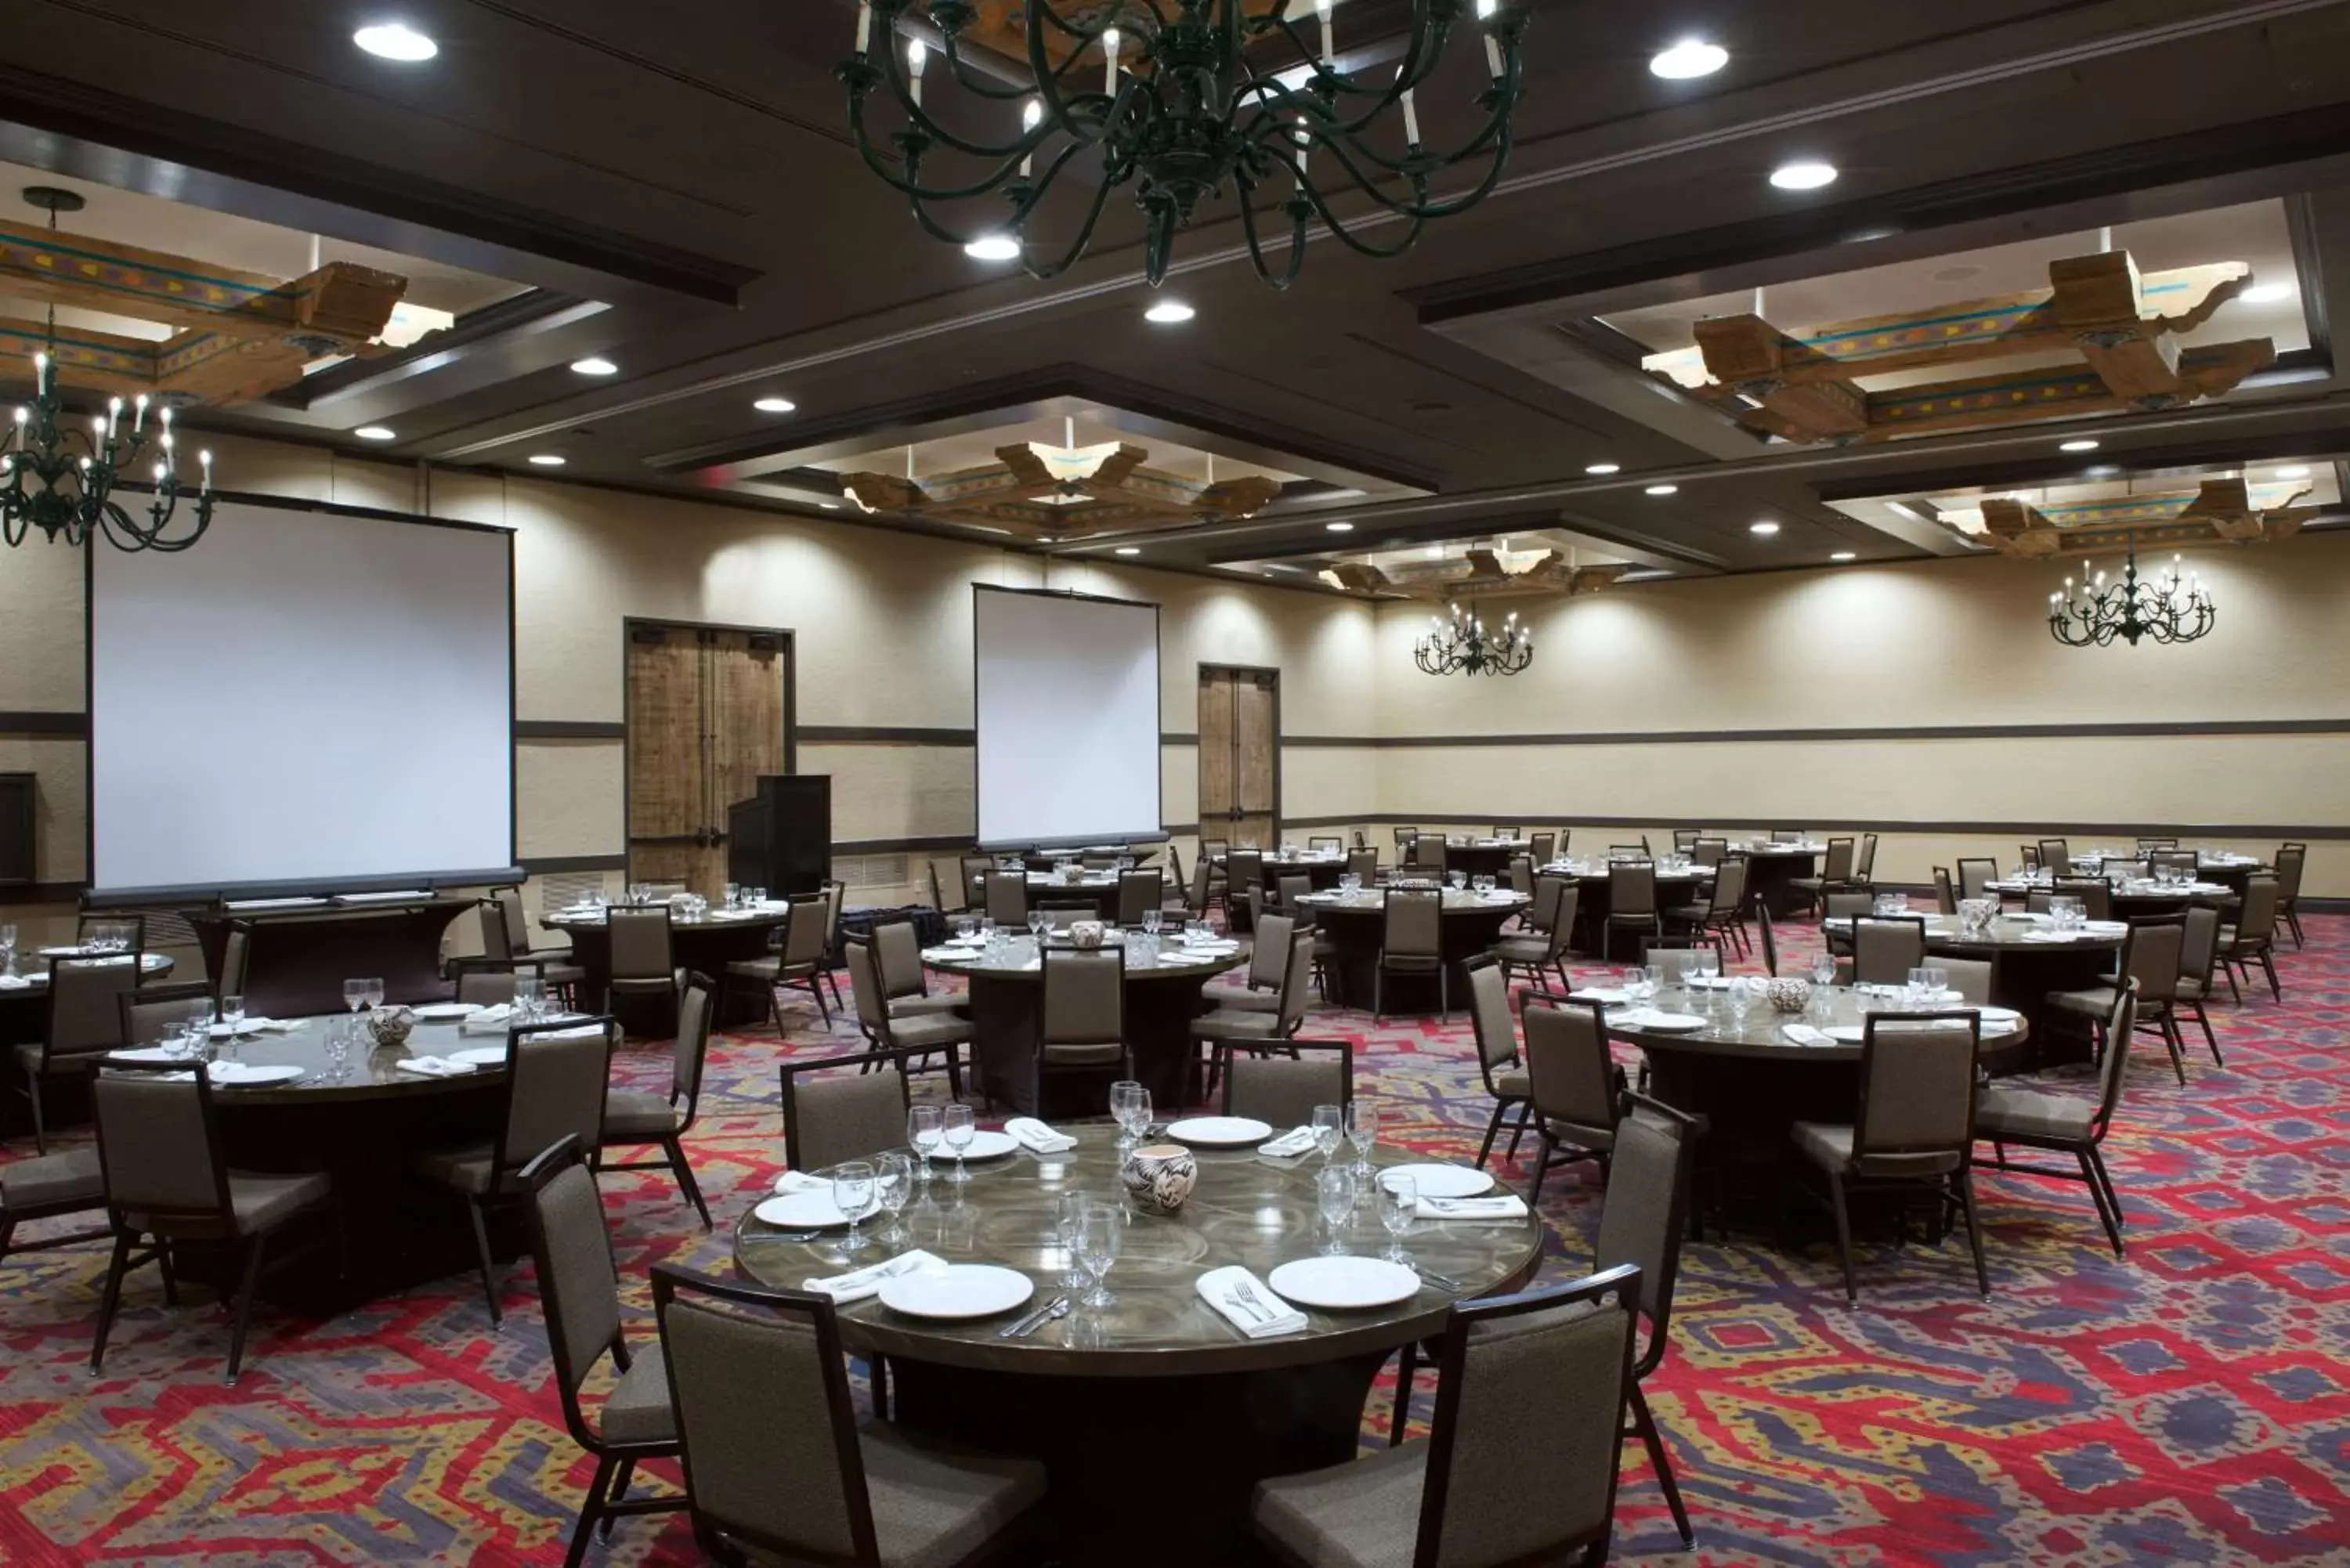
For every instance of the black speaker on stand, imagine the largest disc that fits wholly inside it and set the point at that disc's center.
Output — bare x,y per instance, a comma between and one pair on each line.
781,838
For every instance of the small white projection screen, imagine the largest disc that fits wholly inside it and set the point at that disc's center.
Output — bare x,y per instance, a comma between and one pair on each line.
302,696
1068,718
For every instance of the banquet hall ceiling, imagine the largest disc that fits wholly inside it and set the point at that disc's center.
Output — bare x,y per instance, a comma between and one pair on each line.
683,200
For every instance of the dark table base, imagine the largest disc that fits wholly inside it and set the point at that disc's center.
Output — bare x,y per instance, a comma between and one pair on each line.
1113,1444
1767,877
1353,969
1158,1013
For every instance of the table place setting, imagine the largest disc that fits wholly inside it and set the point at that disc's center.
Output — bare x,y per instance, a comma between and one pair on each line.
1294,1144
1038,1138
1439,1181
1342,1283
1224,1132
1248,1303
1494,1209
433,1066
1806,1034
863,1283
1651,1018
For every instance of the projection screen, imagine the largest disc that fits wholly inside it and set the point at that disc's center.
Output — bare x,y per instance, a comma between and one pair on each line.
1067,715
306,696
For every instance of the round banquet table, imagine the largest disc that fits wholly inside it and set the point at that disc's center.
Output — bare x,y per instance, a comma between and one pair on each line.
1674,890
2138,900
1356,924
1163,997
704,946
1155,1417
1095,888
2024,967
1485,857
1322,870
1771,867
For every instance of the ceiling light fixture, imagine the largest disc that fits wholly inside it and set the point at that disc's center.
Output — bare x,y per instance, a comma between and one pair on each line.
1845,556
546,460
1690,57
774,405
2295,472
1597,468
2083,445
829,505
1765,528
1663,489
2269,293
594,364
1211,103
376,433
395,41
993,248
1463,647
1340,528
1127,550
2171,608
1805,175
1169,313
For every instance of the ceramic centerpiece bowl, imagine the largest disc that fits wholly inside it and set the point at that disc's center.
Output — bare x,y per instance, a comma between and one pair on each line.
1160,1177
1788,993
391,1025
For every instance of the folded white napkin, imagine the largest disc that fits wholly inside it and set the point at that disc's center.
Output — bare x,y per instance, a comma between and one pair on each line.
1036,1137
1295,1141
1462,1211
945,955
2054,936
13,983
432,1066
1804,1034
1608,996
1271,1315
488,1020
858,1283
792,1181
582,1031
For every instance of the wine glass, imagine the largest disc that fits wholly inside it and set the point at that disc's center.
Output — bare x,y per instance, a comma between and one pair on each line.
7,949
1120,1095
1334,1192
1824,971
375,993
1329,1126
893,1184
1151,920
1398,1207
1101,1233
529,998
355,994
1709,965
958,1127
1068,1219
1133,1114
1936,979
231,1012
924,1131
1363,1132
853,1195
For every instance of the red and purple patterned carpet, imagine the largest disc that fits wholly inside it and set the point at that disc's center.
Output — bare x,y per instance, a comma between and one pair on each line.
2191,1403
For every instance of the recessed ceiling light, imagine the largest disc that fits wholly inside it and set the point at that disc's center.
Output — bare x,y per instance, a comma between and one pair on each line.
1807,175
594,364
1340,528
395,41
829,505
1127,550
1765,528
2295,472
1662,489
1690,57
2268,293
1169,313
547,460
2084,444
1845,556
1599,468
774,405
376,433
993,248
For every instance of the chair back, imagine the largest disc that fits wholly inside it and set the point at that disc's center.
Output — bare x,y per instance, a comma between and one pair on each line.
898,954
1970,978
486,987
1522,876
1325,844
1541,847
159,1012
1646,1209
1543,913
1847,906
1524,1452
1710,851
2096,895
835,897
1884,951
1427,852
1296,982
2146,845
843,1114
2031,855
571,1253
806,934
1562,916
1508,832
1269,959
1197,901
159,1150
1728,886
1976,874
1138,893
974,870
2151,954
1865,867
1243,872
766,1431
641,942
234,945
1838,866
1364,864
2120,1024
2199,948
86,1003
1489,1013
865,990
1282,1093
1917,1106
1632,888
2177,859
1786,836
1946,892
1685,839
2057,855
691,1050
1675,964
498,943
517,923
1411,923
1293,890
1007,897
2255,920
2290,861
556,1085
132,929
1571,1077
1766,938
1083,997
1404,835
939,900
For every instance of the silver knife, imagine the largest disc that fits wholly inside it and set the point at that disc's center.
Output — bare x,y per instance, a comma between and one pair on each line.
1032,1320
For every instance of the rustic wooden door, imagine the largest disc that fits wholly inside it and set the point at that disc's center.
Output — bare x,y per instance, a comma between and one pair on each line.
708,712
1239,755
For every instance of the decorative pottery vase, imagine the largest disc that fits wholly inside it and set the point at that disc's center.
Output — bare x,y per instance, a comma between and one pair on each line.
1159,1178
1788,995
391,1025
1085,935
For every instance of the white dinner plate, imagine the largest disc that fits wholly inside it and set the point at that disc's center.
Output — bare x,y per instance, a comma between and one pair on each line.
1850,1033
147,1053
1605,995
238,1073
1708,982
985,1145
803,1211
480,1056
442,1011
1441,1180
1344,1284
1220,1132
1670,1023
68,952
249,1027
958,1292
2108,927
1999,1014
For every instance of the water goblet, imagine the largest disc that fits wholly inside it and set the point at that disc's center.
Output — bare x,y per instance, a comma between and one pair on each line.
924,1131
1068,1221
853,1195
1363,1132
1151,920
1334,1192
1121,1098
1936,979
1038,924
1101,1233
1456,879
1824,971
958,1127
1329,1126
529,999
1398,1207
375,993
231,1012
893,1185
355,994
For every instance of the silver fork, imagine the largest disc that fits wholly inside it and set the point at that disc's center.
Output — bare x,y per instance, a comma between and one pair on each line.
1246,1294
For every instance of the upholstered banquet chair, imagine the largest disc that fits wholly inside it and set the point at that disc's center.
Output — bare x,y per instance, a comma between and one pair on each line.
1976,874
2198,956
153,1012
2019,1111
505,943
913,1039
1640,1226
1282,1091
571,1253
797,965
1885,949
633,1118
1575,1085
898,953
1081,1023
1946,892
1411,942
1541,847
2291,861
48,1186
1836,874
2253,938
1718,919
776,1460
85,1022
1259,990
1138,893
1497,1049
1229,1032
831,1114
642,961
1541,958
1007,897
2151,962
1631,905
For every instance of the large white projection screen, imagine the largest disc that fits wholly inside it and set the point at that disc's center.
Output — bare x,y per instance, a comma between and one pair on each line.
302,697
1068,718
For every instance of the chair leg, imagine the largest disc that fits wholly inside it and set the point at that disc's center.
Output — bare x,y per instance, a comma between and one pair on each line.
246,1291
591,1512
1965,1183
475,1210
2268,967
1844,1237
2112,1195
170,1275
1547,1145
1526,1119
2177,1058
2203,1020
620,1491
2227,967
111,1298
2097,1195
1653,1440
1485,1150
686,1184
2292,922
40,1123
1406,1363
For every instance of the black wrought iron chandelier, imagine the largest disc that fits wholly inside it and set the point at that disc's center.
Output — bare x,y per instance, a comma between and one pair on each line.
1464,647
60,478
1194,94
2172,608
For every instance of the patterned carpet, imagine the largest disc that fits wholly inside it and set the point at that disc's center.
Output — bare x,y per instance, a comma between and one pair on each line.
2188,1405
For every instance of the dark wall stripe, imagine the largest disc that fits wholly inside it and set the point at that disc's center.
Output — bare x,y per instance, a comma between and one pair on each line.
1888,733
18,724
555,865
569,730
881,735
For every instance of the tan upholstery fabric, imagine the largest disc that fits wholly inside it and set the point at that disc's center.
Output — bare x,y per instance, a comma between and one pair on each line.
630,1116
1360,1515
54,1182
639,1409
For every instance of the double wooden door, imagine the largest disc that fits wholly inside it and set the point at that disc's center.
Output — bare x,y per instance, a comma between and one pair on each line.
709,711
1240,755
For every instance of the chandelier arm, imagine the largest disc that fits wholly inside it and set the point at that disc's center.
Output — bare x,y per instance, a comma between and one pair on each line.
1048,85
1050,270
1410,75
910,184
896,76
1299,211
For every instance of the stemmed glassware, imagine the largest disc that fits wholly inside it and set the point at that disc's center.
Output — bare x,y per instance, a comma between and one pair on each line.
1068,1223
529,999
1130,1106
1101,1233
7,949
231,1012
1334,1192
853,1194
958,1127
893,1184
1398,1207
355,994
1363,1132
374,996
1329,1126
924,1132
